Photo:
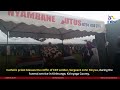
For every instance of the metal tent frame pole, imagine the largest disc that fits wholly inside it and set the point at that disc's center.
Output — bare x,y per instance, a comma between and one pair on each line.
7,48
8,39
7,43
62,47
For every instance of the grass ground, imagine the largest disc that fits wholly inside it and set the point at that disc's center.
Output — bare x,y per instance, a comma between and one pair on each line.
79,60
11,62
7,63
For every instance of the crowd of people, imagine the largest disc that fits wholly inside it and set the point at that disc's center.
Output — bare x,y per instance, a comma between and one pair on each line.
51,52
29,50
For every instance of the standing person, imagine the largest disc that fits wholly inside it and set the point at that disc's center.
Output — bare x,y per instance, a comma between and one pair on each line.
87,52
70,49
94,61
117,59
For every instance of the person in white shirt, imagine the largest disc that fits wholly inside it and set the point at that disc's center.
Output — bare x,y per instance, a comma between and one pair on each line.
94,61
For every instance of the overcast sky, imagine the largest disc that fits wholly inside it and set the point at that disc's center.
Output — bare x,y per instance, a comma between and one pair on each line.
95,15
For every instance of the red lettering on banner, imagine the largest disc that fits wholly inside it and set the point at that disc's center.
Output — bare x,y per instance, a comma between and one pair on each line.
53,18
79,23
30,15
43,17
17,13
11,13
71,21
75,22
67,21
37,16
48,18
62,22
23,14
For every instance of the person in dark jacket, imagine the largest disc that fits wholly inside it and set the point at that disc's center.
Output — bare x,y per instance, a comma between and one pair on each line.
117,60
87,52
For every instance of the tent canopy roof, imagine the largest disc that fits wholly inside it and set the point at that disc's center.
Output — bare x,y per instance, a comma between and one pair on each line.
47,25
